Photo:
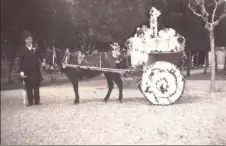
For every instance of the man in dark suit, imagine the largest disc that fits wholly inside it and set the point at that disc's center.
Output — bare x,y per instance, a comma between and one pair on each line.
30,59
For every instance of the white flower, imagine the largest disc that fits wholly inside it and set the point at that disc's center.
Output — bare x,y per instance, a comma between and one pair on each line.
116,51
167,33
140,46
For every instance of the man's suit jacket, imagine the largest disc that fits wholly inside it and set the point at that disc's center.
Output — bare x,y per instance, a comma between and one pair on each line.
30,64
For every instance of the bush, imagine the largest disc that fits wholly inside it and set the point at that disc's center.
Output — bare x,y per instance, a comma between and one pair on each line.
4,68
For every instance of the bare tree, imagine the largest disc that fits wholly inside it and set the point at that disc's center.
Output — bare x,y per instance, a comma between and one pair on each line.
207,10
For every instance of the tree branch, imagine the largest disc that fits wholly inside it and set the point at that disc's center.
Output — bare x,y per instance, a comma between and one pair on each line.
218,21
203,8
197,14
214,11
222,15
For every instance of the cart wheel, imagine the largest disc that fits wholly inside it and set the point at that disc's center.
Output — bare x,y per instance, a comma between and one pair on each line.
162,83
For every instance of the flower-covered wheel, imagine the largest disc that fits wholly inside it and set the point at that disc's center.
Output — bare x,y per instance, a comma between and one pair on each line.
162,83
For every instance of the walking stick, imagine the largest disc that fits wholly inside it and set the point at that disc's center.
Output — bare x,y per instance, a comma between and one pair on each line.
24,91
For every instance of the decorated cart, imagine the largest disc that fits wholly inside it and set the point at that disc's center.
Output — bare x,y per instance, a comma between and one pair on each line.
157,54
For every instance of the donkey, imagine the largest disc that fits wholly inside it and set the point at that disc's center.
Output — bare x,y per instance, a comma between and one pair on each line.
101,59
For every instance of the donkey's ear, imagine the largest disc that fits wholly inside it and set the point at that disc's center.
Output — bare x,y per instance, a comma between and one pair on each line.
112,47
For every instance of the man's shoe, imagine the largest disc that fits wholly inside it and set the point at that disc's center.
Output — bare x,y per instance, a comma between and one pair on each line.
29,104
37,103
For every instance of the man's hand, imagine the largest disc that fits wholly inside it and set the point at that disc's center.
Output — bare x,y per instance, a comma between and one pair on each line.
21,74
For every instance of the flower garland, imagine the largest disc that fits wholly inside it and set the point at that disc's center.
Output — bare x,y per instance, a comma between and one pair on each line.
116,52
143,42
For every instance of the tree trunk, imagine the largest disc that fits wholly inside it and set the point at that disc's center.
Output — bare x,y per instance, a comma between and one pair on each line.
10,69
51,77
206,61
216,63
212,48
197,59
189,60
225,60
193,60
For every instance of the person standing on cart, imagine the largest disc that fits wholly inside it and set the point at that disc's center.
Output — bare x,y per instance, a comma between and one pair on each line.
30,59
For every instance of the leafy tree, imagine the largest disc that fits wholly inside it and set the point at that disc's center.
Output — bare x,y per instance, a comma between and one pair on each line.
108,20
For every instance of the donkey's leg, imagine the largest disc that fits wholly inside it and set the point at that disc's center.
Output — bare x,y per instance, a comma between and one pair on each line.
117,79
110,85
74,81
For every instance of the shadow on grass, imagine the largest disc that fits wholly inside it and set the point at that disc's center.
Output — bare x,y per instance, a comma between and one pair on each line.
200,76
187,99
70,102
139,100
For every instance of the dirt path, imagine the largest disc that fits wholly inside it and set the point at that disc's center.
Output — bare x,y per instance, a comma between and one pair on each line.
195,119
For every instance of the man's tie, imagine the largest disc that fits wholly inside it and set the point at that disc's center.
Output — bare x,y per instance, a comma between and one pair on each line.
33,51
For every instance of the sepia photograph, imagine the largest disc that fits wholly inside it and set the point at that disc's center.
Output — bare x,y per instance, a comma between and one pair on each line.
113,72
